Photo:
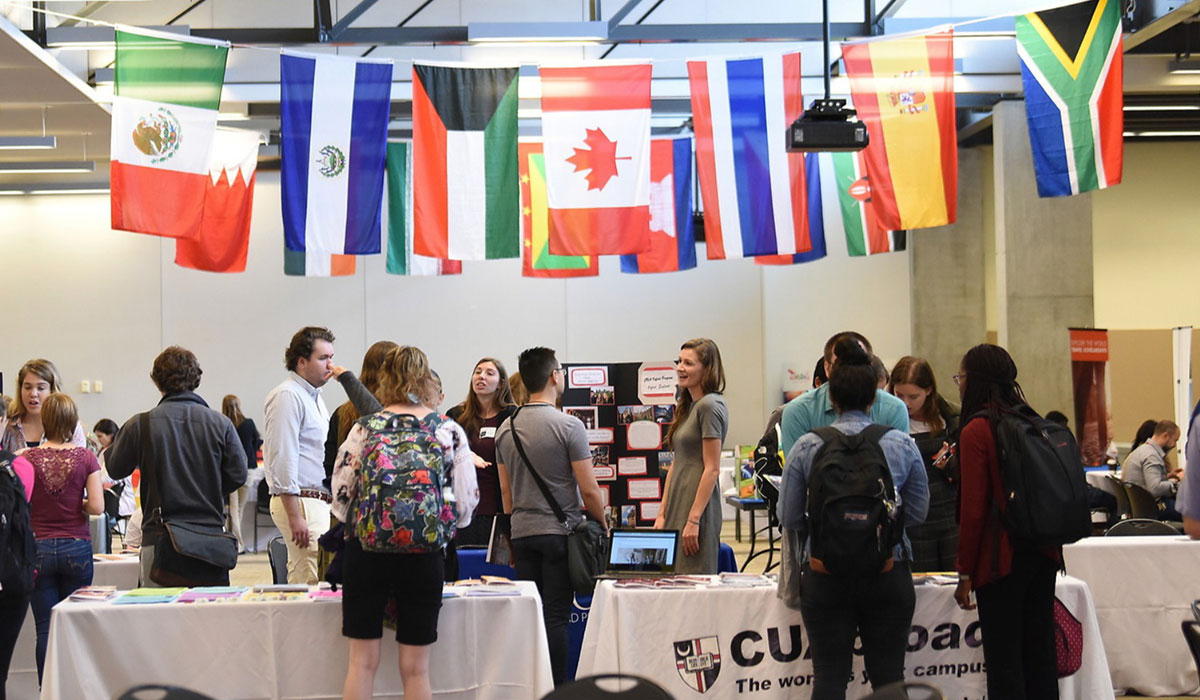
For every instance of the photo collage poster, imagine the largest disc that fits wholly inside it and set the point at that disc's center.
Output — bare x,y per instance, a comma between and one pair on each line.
627,409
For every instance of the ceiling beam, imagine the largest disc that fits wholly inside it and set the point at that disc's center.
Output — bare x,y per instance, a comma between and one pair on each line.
1157,26
84,12
350,17
720,33
620,14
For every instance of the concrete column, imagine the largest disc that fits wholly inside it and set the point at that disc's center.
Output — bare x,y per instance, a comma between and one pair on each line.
1043,266
946,267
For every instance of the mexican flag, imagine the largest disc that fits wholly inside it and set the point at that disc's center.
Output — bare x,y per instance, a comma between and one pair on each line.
401,260
164,116
465,200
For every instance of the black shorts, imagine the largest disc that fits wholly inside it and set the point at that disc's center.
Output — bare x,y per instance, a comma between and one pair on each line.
370,578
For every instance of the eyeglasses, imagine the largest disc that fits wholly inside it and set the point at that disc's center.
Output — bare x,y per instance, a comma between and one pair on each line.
958,379
560,368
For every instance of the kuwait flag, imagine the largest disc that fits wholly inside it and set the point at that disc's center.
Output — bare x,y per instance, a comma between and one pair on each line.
672,232
465,200
864,234
596,136
537,260
400,257
903,90
814,164
1072,66
334,119
164,114
753,189
224,236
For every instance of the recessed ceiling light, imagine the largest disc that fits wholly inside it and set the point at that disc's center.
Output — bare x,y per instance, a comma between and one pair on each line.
50,166
27,142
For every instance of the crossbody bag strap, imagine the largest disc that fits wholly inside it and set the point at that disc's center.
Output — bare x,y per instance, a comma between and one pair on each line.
150,475
558,511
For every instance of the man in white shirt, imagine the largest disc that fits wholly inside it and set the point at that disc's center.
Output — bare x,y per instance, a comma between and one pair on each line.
297,421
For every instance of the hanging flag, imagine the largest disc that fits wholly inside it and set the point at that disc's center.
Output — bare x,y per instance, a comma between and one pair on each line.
297,263
903,90
400,257
672,232
165,101
537,261
753,189
465,196
814,163
333,138
596,134
224,237
864,234
1072,70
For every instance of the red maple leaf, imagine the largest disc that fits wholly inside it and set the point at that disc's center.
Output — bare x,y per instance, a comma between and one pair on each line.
600,159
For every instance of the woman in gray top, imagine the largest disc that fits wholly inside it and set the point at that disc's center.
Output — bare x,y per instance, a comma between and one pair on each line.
690,502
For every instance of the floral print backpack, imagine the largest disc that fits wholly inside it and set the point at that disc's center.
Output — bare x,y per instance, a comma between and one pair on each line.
404,502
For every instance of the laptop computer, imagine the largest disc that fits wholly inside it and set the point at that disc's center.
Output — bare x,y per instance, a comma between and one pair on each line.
641,554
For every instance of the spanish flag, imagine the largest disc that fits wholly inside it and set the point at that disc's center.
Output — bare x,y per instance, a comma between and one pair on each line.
903,90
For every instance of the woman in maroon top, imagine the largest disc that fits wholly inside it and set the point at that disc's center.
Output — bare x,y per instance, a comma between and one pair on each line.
66,490
1013,581
488,404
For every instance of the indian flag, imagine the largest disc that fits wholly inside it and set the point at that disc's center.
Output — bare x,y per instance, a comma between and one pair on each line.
465,200
164,119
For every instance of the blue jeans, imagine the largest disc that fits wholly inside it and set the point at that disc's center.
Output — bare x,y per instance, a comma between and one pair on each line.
63,566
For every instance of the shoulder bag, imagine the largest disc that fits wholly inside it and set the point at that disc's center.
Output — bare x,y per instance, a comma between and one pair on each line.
587,545
187,554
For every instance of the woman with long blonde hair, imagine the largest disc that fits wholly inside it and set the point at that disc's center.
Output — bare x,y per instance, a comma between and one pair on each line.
691,503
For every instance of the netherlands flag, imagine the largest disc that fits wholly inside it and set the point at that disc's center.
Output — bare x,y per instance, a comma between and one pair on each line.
333,146
753,190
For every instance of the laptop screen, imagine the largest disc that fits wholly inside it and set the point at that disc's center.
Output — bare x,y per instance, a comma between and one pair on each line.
651,551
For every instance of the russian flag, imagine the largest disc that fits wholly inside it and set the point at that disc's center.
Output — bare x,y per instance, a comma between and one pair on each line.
333,152
753,189
672,233
813,163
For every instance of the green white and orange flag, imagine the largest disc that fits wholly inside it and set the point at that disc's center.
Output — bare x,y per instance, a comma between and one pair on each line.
536,258
865,235
903,90
164,119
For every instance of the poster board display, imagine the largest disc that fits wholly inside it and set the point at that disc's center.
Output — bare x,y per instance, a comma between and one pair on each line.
627,409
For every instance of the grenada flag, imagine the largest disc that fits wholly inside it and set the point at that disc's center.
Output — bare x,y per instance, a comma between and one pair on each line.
537,260
903,90
164,116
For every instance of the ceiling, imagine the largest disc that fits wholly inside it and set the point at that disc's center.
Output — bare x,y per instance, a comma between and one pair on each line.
50,84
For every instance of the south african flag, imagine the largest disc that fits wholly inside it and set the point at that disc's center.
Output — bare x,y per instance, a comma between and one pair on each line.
1071,66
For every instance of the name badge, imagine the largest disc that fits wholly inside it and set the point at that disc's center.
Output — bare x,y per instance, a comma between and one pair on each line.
487,432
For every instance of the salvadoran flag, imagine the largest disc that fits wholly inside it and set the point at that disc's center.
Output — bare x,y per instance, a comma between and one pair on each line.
753,189
333,150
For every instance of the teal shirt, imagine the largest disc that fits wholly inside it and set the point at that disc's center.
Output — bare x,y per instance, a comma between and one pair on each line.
813,409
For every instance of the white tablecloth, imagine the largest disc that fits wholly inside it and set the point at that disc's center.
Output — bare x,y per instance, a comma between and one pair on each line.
1143,588
759,643
491,647
22,673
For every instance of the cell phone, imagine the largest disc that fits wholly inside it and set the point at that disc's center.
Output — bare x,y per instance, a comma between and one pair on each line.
950,452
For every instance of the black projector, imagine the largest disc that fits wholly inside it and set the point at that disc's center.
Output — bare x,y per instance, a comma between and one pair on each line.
827,125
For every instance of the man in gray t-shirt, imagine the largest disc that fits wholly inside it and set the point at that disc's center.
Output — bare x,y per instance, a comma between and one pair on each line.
557,446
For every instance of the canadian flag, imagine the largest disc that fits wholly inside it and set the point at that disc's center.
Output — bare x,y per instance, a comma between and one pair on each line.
596,135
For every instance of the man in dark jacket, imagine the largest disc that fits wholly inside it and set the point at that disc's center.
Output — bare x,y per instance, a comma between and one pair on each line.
194,457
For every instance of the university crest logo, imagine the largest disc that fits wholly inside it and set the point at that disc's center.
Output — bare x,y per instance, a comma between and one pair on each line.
331,161
698,662
158,135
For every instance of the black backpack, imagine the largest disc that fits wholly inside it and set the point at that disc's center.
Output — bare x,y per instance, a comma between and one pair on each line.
853,518
768,461
1044,485
16,533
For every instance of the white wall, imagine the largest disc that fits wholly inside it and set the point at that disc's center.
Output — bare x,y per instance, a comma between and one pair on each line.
101,304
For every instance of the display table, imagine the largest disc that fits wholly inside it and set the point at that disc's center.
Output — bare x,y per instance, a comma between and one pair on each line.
1143,588
488,647
22,675
758,644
